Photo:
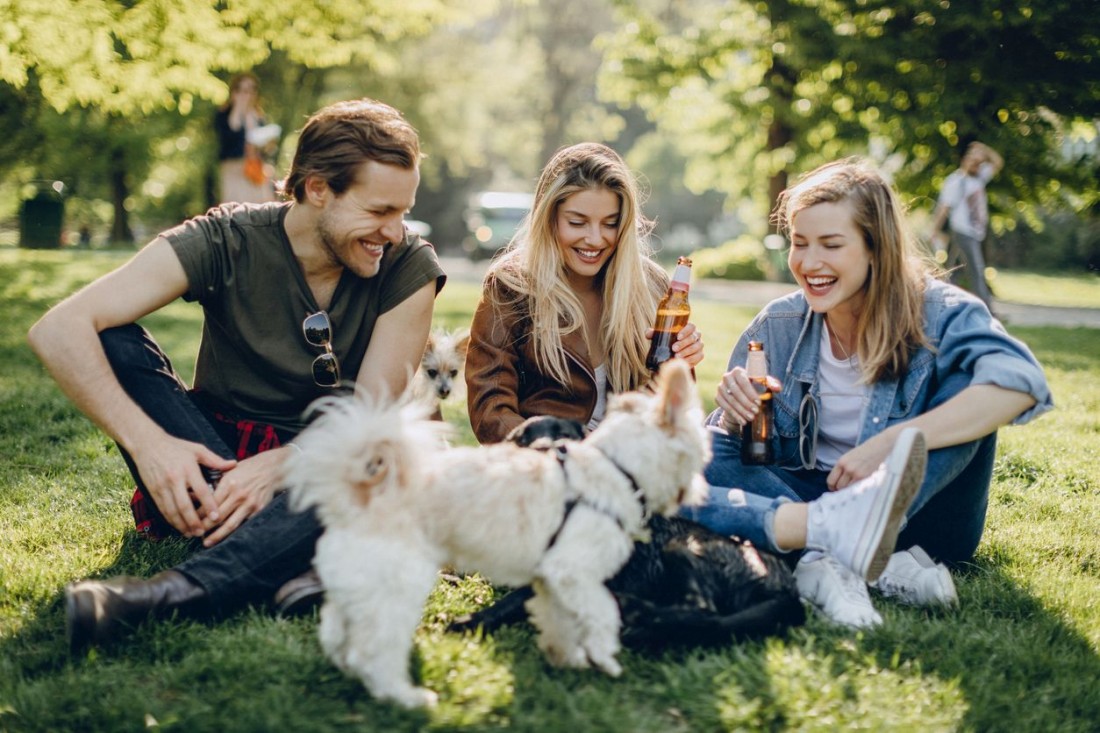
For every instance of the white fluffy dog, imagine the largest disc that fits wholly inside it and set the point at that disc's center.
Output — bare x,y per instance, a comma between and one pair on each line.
397,505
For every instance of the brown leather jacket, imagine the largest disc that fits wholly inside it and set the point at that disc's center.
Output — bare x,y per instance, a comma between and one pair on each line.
504,387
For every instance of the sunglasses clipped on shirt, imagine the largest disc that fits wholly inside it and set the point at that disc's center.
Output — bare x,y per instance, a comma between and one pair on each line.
807,432
318,332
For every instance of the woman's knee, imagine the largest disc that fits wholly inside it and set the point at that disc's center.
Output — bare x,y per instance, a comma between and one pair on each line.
949,524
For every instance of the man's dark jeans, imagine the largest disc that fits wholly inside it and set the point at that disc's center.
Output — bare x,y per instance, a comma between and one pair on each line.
270,548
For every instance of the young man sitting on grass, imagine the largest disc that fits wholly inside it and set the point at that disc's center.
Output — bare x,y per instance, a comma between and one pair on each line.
299,298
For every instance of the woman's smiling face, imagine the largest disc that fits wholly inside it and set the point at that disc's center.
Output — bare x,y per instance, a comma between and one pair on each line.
586,229
829,258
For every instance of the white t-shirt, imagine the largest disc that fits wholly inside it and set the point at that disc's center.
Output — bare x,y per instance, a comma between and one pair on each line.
601,397
842,401
966,200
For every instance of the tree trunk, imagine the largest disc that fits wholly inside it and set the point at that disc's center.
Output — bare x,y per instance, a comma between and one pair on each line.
120,227
779,135
780,80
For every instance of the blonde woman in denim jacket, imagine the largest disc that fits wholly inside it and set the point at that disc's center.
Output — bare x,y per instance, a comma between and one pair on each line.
873,338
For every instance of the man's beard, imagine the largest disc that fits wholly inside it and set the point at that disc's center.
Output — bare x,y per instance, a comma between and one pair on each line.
335,253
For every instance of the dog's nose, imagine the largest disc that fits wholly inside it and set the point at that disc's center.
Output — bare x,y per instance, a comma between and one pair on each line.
444,392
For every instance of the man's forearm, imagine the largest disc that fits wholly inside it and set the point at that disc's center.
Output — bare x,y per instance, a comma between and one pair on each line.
74,357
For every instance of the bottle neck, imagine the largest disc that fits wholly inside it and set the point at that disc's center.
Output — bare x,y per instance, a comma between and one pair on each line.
681,278
757,365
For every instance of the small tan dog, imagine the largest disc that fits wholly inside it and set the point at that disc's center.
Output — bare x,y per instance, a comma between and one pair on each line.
439,375
397,505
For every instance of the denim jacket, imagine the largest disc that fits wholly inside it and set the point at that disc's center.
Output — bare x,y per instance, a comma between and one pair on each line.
971,347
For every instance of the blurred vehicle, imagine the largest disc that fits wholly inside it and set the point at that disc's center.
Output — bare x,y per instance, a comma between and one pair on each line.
491,220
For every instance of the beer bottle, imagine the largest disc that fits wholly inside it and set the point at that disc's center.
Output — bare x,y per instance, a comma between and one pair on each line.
672,315
756,444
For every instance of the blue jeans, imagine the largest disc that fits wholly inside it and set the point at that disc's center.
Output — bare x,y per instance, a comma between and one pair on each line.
274,545
946,519
969,250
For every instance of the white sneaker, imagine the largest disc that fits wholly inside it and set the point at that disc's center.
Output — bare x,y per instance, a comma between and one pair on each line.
834,590
914,578
859,525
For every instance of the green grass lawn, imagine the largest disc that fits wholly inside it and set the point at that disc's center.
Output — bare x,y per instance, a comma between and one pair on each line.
1020,654
1066,291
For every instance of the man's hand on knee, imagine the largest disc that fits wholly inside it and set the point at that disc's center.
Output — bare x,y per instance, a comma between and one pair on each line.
171,470
245,490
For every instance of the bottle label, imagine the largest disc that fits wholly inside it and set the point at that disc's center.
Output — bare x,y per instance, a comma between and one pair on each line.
681,278
757,365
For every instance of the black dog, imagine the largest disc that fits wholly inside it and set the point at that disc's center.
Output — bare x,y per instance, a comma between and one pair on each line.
544,432
686,586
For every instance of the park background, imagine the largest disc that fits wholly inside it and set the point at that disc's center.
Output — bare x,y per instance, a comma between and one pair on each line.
105,108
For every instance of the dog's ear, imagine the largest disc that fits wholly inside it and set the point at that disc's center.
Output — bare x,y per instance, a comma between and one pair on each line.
462,342
429,345
377,466
675,392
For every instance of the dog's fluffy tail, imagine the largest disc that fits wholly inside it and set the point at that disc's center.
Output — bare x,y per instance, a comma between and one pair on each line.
348,438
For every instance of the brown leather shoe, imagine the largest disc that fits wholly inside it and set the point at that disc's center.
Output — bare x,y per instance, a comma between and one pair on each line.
299,596
96,610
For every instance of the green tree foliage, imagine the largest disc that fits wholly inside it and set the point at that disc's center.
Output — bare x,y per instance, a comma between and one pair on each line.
754,91
123,57
493,97
113,67
137,55
1021,76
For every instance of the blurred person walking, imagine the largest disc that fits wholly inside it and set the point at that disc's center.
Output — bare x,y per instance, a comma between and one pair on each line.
242,136
963,204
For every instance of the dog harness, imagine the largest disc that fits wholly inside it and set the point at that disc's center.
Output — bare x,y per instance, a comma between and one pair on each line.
561,452
639,495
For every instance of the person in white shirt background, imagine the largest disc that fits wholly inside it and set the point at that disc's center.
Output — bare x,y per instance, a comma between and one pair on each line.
963,204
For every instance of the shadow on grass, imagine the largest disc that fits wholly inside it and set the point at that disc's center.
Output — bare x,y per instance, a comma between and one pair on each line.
1003,661
41,646
248,671
1016,665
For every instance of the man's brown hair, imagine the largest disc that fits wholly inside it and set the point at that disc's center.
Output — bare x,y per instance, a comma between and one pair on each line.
339,138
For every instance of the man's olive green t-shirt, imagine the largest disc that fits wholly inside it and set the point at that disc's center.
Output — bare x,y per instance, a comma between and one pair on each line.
253,359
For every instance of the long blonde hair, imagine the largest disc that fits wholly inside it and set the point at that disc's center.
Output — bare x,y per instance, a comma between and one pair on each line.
891,324
532,266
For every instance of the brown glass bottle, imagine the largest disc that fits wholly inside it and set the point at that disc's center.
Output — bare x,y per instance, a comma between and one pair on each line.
672,315
756,444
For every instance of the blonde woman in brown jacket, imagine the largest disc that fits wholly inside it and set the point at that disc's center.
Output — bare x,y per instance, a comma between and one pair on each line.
566,311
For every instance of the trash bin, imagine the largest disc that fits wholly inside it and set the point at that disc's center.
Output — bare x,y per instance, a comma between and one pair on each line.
41,217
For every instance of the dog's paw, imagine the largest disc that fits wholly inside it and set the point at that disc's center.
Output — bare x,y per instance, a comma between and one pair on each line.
567,657
608,666
413,697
